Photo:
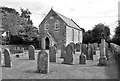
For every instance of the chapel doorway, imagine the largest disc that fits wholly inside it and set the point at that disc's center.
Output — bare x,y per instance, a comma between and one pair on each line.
47,43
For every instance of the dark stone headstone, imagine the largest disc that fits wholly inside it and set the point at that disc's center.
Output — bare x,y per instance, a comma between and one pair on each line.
43,62
52,53
82,59
31,51
62,51
7,58
90,54
77,47
84,49
68,59
73,46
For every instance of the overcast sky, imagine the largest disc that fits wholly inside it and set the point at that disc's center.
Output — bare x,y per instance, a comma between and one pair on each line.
86,13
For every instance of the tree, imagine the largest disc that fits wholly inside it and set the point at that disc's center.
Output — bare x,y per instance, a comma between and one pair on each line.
10,20
87,37
116,37
26,15
98,30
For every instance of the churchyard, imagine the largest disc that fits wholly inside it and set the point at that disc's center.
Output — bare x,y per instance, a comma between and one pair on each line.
61,64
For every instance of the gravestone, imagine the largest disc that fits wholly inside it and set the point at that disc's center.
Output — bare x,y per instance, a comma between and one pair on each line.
68,59
93,49
43,62
77,47
62,51
90,54
96,45
7,58
0,56
73,46
106,50
31,52
52,53
23,50
82,59
84,49
102,60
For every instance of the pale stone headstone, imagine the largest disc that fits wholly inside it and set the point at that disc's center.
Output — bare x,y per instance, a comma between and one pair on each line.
63,52
52,53
0,55
31,51
82,59
43,62
7,58
68,59
23,50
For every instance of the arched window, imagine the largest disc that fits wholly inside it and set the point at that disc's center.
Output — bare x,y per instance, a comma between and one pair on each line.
57,24
46,25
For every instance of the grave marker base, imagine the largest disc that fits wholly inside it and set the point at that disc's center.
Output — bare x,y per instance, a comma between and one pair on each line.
102,61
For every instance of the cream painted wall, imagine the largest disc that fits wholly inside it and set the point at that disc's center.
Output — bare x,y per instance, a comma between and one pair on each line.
69,35
81,37
75,36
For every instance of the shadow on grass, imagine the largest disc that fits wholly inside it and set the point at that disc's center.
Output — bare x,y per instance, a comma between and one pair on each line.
36,72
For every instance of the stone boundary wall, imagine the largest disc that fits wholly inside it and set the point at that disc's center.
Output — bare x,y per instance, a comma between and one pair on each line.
115,49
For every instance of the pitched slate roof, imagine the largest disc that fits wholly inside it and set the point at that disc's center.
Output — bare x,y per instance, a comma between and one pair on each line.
68,21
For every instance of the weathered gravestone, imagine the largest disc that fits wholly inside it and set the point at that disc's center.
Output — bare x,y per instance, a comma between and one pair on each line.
62,51
93,49
102,60
52,53
77,47
73,46
43,62
82,59
90,54
31,51
0,55
68,59
106,50
7,58
84,49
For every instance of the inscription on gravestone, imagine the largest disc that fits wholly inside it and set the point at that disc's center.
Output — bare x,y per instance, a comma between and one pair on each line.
43,62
